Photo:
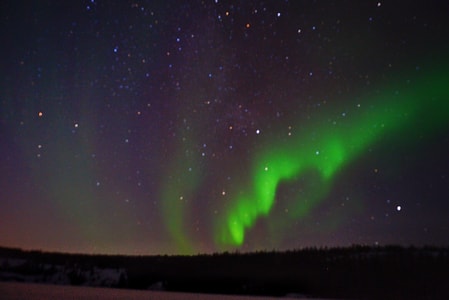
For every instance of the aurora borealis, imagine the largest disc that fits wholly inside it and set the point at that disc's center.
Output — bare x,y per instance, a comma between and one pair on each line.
328,149
148,127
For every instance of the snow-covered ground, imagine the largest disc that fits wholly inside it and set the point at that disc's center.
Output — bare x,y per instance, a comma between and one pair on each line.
32,291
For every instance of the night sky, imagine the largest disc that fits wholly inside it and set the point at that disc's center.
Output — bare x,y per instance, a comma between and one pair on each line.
183,127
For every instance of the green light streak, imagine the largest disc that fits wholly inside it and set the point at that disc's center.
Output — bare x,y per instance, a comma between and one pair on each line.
326,148
178,192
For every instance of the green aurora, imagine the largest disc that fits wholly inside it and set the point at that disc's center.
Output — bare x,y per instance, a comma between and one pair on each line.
178,192
319,148
326,149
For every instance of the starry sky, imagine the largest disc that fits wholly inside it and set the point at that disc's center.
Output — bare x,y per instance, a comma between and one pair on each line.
183,127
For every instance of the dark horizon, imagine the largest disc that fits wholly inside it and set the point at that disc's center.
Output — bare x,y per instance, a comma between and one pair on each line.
232,252
342,273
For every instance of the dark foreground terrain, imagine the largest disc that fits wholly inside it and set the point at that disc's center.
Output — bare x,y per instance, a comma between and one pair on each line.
357,272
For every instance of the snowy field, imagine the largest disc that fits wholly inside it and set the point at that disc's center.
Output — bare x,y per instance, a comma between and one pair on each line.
31,291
